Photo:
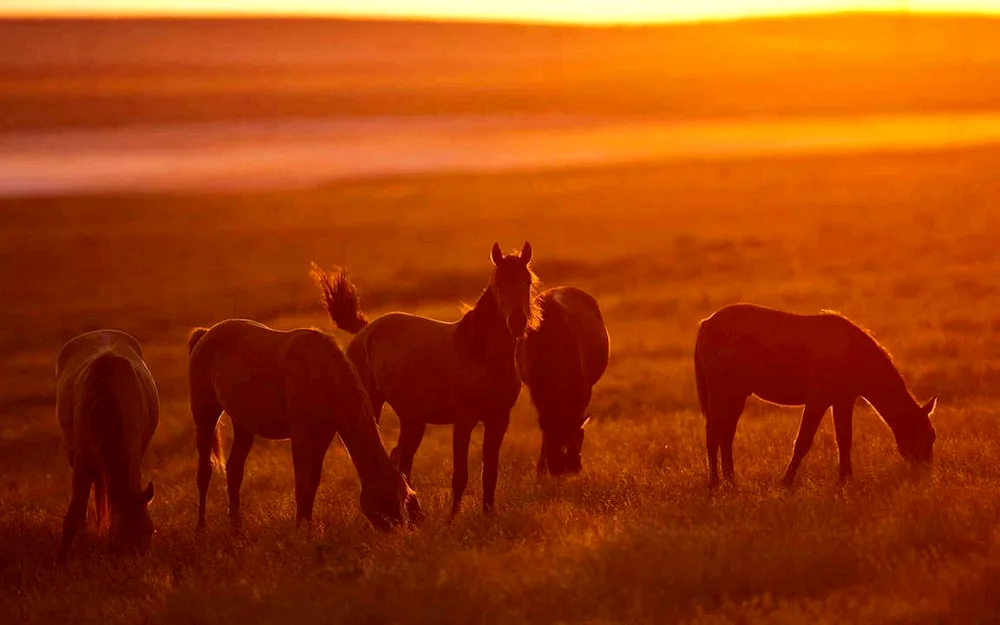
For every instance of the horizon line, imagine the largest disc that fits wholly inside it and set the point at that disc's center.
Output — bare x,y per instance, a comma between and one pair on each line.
487,20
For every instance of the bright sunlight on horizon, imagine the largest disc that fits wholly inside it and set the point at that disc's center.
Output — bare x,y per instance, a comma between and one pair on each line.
573,11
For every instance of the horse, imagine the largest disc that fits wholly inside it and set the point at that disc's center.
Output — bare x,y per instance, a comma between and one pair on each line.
108,409
560,361
432,372
816,361
294,384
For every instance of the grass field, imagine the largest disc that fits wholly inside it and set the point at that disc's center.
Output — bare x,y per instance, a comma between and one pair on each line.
904,244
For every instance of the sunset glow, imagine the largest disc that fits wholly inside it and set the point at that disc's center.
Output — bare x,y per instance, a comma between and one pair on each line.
583,11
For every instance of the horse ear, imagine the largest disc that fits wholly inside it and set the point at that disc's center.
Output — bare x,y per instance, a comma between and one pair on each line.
929,407
495,254
526,252
147,495
585,422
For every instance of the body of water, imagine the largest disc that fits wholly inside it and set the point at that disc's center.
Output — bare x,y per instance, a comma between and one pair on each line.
289,154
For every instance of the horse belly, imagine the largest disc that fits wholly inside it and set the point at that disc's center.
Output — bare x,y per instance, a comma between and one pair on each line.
785,385
427,404
258,409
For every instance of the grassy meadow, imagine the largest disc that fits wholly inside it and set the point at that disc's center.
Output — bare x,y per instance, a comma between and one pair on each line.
905,244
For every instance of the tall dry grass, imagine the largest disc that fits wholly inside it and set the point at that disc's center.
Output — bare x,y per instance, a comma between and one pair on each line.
904,244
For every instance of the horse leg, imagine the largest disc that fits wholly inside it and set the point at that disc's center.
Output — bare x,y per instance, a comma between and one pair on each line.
720,431
492,440
410,435
726,435
76,516
206,419
843,416
308,451
812,415
542,467
712,443
460,438
242,443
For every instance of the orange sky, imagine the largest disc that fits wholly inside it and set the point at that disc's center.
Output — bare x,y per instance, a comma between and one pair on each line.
589,11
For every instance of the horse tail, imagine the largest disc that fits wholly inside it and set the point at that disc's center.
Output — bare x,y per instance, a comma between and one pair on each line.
340,299
104,385
102,504
212,440
699,376
194,337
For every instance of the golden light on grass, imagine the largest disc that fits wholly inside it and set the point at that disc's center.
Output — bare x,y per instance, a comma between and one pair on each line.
576,11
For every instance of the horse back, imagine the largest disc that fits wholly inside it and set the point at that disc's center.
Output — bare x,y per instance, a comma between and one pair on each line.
588,325
103,385
575,314
87,344
423,368
780,356
319,378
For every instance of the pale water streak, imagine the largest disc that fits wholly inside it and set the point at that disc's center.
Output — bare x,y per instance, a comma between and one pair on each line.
290,154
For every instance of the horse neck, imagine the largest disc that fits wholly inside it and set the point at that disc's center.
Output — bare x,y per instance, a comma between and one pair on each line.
886,391
361,438
490,337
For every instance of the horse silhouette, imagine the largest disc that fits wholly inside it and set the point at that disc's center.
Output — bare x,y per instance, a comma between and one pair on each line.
817,361
460,373
108,409
297,385
560,361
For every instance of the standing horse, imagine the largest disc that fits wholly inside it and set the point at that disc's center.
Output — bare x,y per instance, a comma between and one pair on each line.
429,371
108,409
817,361
293,384
560,361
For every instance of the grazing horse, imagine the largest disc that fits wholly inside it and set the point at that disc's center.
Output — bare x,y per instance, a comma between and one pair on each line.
293,384
429,371
560,361
817,361
108,409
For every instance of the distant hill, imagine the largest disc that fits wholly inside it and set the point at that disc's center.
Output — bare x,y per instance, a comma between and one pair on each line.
97,72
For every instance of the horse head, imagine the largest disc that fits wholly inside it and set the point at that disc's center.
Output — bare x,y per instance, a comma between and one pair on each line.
512,286
562,449
391,504
131,526
916,444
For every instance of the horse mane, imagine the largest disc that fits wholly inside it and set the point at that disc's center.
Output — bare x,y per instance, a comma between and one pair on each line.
103,406
534,307
194,337
885,357
864,330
